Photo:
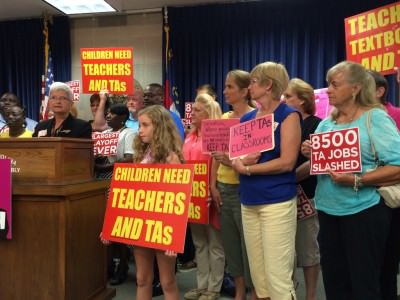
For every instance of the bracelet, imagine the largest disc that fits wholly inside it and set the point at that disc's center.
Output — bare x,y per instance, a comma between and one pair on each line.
355,185
248,171
357,182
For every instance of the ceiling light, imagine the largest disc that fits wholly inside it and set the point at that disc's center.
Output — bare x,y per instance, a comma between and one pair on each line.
72,7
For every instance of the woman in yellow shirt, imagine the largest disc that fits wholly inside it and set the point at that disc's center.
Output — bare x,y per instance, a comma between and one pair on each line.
15,120
225,188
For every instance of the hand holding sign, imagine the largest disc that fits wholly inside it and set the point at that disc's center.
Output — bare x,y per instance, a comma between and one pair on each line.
342,178
104,92
222,157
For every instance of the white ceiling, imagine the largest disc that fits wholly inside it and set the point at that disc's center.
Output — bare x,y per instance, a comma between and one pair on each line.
25,9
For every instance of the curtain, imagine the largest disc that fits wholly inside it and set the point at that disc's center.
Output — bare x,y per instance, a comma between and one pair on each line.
22,58
306,36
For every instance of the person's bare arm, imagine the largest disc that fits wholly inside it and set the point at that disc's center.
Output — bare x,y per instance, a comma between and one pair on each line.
99,122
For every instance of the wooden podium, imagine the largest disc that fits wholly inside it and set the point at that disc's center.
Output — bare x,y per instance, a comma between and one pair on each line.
58,210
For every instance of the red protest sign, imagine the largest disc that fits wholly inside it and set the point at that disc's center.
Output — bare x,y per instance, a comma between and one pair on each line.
148,205
198,210
107,69
372,38
255,135
215,134
105,143
75,86
337,150
305,208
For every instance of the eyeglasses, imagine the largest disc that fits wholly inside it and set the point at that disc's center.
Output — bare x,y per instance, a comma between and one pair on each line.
7,99
61,98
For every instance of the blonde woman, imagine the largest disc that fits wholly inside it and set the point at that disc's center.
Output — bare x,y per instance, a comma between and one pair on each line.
268,188
206,238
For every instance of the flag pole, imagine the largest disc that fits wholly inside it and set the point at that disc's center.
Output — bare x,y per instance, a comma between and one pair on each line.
46,19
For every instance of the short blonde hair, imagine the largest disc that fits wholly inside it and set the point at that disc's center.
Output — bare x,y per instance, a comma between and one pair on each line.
273,72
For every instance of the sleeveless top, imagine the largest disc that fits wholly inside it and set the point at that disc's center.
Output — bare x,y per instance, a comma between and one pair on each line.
274,188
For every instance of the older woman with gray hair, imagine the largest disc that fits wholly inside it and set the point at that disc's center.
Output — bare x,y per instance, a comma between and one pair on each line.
354,220
63,124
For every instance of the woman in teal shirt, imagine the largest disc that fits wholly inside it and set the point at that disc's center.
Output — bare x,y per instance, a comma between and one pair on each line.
354,220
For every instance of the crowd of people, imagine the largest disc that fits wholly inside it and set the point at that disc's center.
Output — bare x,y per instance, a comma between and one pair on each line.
255,233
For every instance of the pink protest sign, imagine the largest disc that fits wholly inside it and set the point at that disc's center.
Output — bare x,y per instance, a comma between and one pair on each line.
5,199
337,150
255,135
188,114
105,143
215,134
322,106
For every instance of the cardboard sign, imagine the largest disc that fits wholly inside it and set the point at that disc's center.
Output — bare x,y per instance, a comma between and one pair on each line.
148,205
5,200
322,106
107,69
188,114
215,134
372,38
75,86
305,208
337,150
255,135
198,210
105,143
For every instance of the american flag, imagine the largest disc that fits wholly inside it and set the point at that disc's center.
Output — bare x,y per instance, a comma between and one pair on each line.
48,83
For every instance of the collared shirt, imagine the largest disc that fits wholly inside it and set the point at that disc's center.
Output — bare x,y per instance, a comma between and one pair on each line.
132,123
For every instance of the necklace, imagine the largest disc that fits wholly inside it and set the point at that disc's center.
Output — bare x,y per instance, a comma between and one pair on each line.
345,119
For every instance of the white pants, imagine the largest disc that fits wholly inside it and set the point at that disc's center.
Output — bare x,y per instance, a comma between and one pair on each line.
269,232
